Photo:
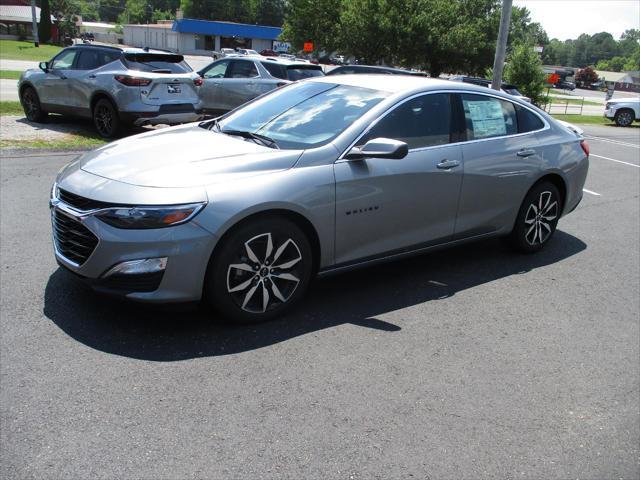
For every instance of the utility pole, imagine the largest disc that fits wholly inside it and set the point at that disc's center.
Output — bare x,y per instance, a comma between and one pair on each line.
501,47
34,24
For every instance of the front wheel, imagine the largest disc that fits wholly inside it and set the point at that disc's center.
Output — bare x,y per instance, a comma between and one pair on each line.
260,271
31,105
537,219
623,118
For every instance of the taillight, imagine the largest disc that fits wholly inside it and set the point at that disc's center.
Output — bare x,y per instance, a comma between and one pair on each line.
585,147
130,81
198,81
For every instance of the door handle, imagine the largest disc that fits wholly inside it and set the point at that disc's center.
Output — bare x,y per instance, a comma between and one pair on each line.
448,164
92,76
525,152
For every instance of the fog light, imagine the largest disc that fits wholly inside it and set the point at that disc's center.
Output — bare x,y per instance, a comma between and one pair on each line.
137,267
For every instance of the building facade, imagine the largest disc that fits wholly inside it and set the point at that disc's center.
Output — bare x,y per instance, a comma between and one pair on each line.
200,37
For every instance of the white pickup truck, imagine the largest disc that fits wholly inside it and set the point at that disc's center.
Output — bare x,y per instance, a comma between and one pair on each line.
623,111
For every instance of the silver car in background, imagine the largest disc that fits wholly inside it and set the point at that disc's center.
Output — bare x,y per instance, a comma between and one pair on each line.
230,82
113,87
317,177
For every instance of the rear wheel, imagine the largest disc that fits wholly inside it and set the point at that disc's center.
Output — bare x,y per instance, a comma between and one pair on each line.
260,271
31,105
537,219
624,117
105,118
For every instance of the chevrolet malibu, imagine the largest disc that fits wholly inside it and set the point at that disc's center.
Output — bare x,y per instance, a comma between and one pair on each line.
313,178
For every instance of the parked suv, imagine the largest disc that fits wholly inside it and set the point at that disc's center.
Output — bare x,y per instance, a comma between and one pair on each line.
112,86
623,111
230,82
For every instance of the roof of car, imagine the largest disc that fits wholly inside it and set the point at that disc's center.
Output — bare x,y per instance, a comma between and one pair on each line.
401,83
376,67
123,49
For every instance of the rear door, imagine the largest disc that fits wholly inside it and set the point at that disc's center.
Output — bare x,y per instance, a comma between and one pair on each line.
502,157
82,79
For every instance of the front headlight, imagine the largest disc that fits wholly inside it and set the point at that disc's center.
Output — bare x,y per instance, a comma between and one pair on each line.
149,217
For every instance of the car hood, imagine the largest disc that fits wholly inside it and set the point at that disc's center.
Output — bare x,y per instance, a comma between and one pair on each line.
184,156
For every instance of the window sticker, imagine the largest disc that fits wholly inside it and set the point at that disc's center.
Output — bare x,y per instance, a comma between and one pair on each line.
487,118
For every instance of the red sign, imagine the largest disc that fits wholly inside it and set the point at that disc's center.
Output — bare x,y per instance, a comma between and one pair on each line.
308,47
553,78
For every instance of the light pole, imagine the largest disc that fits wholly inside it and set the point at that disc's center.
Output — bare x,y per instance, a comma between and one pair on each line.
501,47
34,24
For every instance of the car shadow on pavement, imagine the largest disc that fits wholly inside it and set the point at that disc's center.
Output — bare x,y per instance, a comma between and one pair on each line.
169,334
75,125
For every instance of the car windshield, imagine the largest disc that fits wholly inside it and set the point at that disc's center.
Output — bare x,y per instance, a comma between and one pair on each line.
303,115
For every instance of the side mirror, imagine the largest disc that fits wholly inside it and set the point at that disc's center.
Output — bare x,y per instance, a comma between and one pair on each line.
379,148
44,66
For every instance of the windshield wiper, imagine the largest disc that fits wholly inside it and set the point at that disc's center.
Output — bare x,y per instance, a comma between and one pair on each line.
263,139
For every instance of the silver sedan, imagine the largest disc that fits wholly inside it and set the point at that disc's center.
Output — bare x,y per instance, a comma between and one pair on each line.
314,178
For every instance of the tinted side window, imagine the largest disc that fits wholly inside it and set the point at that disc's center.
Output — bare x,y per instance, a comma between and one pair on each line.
90,59
488,117
527,120
216,70
277,71
241,69
64,61
422,122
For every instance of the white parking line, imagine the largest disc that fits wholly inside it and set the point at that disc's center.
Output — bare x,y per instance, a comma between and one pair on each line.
615,142
614,160
589,191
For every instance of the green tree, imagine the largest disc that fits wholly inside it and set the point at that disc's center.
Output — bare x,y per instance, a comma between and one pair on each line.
633,61
270,12
615,64
367,30
524,69
313,20
629,42
66,13
44,27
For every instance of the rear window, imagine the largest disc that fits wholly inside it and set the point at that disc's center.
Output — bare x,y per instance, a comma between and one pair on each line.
527,120
278,71
157,62
296,72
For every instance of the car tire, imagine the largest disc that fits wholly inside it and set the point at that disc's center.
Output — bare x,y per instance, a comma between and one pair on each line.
624,117
105,118
31,105
259,271
537,218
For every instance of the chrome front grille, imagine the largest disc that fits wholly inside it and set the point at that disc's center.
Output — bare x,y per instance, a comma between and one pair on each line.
73,240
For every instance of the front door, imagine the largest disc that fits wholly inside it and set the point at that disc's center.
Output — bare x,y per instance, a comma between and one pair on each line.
54,90
385,206
212,82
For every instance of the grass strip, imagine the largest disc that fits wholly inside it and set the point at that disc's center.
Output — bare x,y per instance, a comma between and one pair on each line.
10,74
11,108
16,50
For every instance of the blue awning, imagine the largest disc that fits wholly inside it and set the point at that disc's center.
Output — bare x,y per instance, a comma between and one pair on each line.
225,29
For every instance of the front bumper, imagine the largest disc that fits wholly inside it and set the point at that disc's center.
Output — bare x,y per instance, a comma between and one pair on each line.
610,113
187,248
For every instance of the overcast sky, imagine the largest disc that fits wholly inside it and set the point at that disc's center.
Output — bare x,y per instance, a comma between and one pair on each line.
564,19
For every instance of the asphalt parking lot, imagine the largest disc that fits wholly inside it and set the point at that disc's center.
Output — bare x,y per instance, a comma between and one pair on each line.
467,363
